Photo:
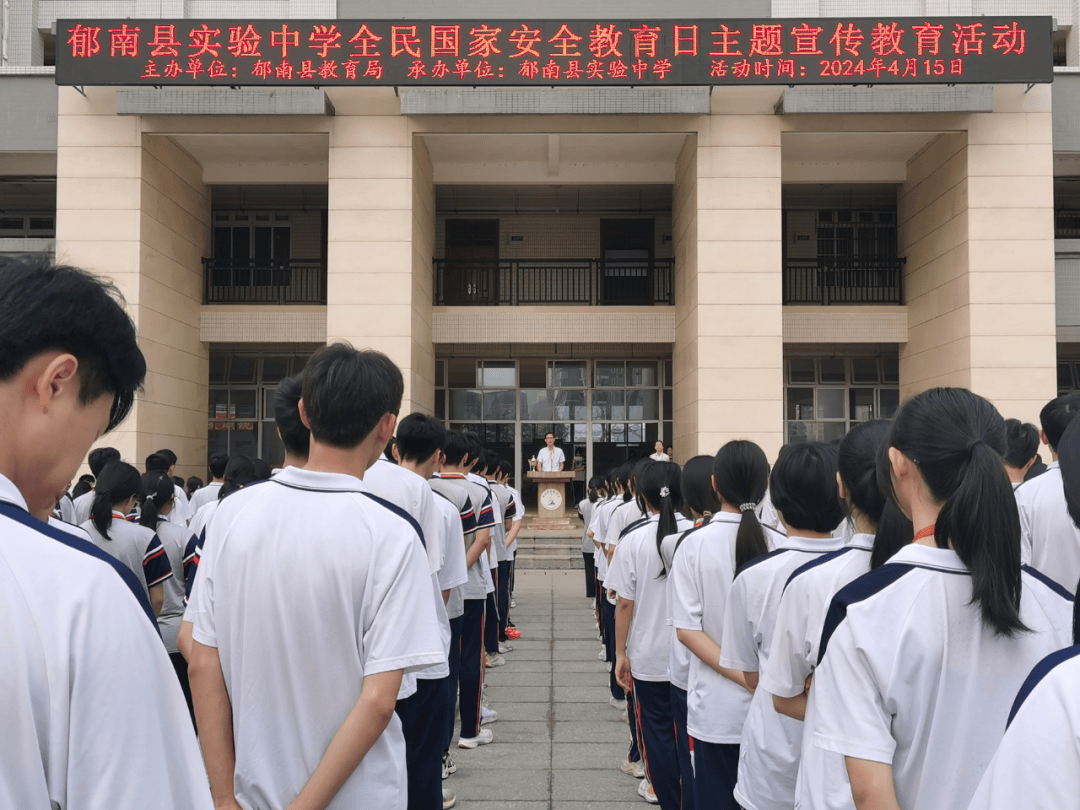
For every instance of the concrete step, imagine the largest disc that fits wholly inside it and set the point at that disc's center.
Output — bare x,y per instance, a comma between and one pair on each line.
544,541
527,560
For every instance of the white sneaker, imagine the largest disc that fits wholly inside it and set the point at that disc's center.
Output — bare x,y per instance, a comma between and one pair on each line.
645,791
448,799
506,647
483,737
495,660
617,704
602,655
634,769
488,715
513,603
448,766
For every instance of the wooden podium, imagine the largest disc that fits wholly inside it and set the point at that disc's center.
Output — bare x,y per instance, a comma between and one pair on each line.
551,499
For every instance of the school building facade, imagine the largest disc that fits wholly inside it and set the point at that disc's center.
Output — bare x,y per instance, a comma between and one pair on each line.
616,264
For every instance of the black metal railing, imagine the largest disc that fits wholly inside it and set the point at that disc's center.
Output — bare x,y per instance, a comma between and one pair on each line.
472,282
264,281
850,281
1066,224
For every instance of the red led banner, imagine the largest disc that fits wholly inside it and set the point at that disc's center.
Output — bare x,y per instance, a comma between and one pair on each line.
592,53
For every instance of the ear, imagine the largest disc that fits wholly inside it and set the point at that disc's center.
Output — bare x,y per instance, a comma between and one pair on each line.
841,489
1042,436
303,413
56,380
396,453
714,489
386,427
901,465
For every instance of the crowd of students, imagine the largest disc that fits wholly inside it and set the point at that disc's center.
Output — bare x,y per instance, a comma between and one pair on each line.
899,635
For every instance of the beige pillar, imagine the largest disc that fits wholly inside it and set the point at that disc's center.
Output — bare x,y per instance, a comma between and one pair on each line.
976,225
729,336
133,208
380,234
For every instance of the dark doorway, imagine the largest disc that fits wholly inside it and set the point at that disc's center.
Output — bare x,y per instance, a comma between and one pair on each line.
627,251
472,261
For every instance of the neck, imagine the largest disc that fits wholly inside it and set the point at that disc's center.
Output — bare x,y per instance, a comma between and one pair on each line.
923,516
806,533
292,461
352,461
1016,475
456,469
863,524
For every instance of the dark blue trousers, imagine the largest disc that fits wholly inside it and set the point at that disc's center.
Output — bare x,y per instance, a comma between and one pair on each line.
656,740
452,682
590,574
503,590
421,723
716,769
491,618
686,771
471,673
608,610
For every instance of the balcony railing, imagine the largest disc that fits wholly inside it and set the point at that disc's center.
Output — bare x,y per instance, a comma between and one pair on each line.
265,281
855,281
1067,224
472,282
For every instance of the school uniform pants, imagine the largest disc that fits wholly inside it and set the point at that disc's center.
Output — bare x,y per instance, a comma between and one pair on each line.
491,618
634,754
420,715
590,574
451,685
180,665
471,673
716,769
682,741
504,598
609,645
656,740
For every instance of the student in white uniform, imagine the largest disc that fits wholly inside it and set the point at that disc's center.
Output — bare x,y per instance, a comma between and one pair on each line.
203,496
1022,449
718,698
550,458
601,533
98,458
291,429
588,550
182,513
700,503
1050,540
658,452
119,488
505,471
595,533
638,575
921,658
879,531
314,549
157,501
510,509
84,673
631,510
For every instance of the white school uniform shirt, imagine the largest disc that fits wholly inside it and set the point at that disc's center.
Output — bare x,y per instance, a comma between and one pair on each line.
822,781
1049,540
136,547
174,540
909,675
454,574
622,517
65,509
501,498
182,510
701,579
635,575
767,513
497,527
82,506
660,457
549,460
203,496
585,509
270,550
81,664
475,503
1037,764
601,514
519,515
771,742
678,655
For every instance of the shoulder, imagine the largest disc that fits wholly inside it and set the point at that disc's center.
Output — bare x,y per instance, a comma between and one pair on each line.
633,527
816,564
1054,665
1040,582
384,511
1049,481
760,563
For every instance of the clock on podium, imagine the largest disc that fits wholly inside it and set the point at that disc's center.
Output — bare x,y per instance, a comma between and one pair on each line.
551,499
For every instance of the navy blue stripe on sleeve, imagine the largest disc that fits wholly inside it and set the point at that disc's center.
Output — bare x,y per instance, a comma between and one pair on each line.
126,574
632,526
397,510
1049,583
1041,670
857,591
824,558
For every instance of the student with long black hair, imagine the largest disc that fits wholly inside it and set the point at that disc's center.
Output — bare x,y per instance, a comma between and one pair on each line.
588,550
921,658
638,574
158,499
880,530
98,458
700,503
1022,448
718,698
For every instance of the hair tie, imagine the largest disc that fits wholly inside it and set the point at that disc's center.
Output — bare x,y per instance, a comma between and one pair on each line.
971,445
664,492
747,507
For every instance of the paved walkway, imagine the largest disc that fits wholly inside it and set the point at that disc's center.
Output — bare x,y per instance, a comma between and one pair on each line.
558,743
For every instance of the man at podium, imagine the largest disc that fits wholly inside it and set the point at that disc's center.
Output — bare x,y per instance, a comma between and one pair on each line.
550,458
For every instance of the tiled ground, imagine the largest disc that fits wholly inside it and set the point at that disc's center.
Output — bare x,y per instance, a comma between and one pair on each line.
558,743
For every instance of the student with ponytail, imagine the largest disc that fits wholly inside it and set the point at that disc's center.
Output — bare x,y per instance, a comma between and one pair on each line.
158,500
118,489
879,529
701,577
638,574
588,550
921,658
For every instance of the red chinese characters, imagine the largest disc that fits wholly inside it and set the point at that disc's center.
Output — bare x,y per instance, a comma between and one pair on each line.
1009,38
484,41
765,40
84,41
124,41
323,39
244,41
164,42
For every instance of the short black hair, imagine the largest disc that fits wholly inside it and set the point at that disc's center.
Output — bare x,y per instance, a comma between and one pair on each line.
476,448
294,433
1022,439
45,306
155,462
347,391
456,448
419,436
194,484
551,434
1056,415
217,464
169,454
803,487
101,456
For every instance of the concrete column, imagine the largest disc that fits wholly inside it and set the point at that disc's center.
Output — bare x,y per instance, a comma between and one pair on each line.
380,236
729,335
976,225
133,208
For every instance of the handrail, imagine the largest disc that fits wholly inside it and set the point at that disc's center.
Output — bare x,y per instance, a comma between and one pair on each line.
844,281
264,281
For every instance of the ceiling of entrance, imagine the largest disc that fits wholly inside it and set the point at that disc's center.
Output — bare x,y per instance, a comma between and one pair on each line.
259,158
850,157
556,158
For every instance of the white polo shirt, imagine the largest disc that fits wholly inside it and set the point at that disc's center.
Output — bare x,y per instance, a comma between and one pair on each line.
1037,764
635,575
81,665
585,509
909,675
174,541
822,781
678,655
136,547
461,492
1049,540
203,496
623,516
454,574
701,580
519,515
549,460
309,551
601,515
182,510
